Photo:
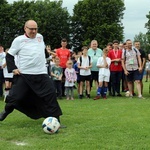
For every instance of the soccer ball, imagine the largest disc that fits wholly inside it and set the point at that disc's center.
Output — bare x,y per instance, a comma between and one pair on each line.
127,94
51,125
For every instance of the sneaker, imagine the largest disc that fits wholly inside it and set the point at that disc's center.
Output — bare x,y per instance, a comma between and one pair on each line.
67,98
134,94
141,97
80,96
88,96
72,98
97,97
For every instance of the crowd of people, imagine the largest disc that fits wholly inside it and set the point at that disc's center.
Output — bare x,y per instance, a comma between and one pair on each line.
35,75
118,63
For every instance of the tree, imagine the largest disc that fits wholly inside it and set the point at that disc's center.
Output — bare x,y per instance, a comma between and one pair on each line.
4,19
97,19
52,19
143,39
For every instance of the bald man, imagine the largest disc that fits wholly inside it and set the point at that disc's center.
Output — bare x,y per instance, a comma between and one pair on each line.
33,91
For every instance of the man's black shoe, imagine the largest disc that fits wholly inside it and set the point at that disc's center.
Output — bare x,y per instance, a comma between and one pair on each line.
3,115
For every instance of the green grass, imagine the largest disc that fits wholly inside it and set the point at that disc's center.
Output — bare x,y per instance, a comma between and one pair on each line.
112,124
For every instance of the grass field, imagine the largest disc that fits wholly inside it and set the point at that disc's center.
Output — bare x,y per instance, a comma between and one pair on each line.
118,123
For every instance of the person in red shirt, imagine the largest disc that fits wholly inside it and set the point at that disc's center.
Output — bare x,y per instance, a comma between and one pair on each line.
115,68
64,55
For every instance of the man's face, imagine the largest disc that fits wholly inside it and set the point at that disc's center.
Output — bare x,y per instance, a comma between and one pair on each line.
94,45
63,44
129,44
31,29
1,49
109,47
85,51
116,45
121,46
137,45
125,46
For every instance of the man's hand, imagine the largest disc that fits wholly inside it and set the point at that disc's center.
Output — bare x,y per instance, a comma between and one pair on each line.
140,69
16,72
126,72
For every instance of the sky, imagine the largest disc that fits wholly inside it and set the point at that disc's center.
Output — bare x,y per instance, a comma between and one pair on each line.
134,15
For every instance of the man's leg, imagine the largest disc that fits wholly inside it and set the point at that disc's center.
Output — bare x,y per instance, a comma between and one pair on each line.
113,81
118,79
138,86
17,92
130,87
8,109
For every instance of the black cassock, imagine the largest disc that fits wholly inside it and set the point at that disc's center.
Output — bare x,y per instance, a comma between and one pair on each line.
33,95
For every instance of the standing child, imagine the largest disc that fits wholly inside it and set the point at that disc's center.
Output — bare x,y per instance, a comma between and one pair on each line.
103,64
75,66
84,64
56,73
71,78
8,77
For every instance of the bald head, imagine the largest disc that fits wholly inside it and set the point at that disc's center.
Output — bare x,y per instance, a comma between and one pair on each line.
30,22
31,28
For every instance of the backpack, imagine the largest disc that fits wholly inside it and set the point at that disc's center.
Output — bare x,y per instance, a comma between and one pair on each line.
125,54
81,60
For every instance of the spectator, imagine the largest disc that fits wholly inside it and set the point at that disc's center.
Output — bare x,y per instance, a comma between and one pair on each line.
71,78
7,77
94,52
85,64
2,56
147,69
77,70
131,63
124,79
143,61
103,64
64,55
56,73
115,68
109,47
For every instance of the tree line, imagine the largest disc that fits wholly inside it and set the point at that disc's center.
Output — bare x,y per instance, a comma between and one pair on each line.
91,19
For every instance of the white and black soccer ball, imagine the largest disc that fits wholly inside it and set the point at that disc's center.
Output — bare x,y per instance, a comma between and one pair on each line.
51,125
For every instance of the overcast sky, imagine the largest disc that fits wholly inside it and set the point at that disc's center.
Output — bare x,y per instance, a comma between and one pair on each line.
134,15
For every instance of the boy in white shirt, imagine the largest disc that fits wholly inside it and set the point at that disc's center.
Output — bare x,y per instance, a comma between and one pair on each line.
103,64
84,64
